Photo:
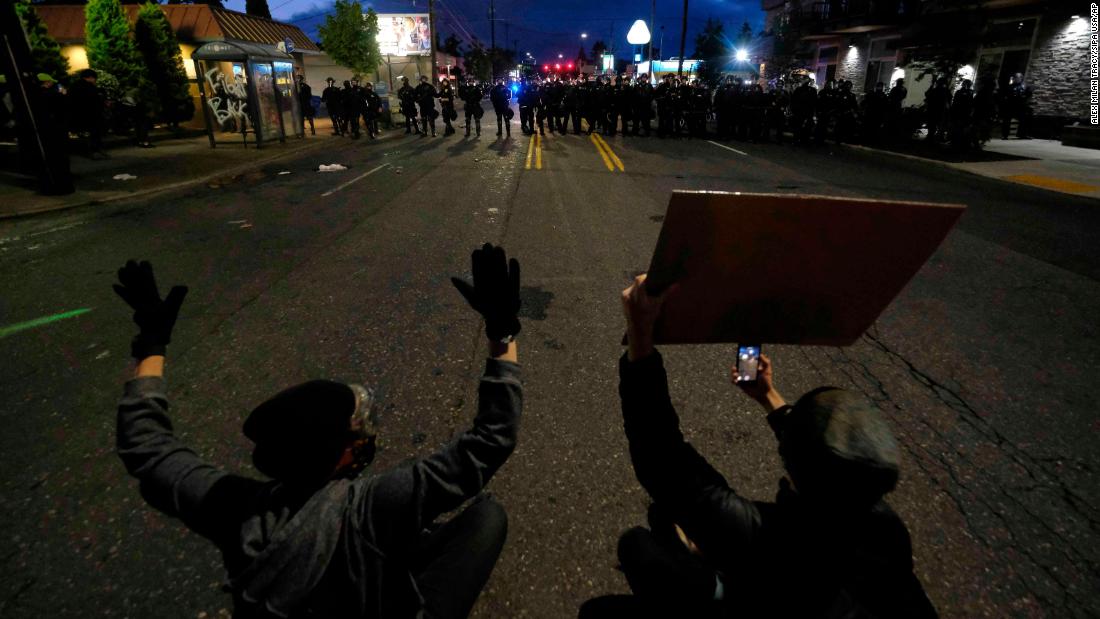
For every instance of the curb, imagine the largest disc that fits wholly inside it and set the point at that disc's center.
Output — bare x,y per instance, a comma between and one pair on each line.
945,164
162,188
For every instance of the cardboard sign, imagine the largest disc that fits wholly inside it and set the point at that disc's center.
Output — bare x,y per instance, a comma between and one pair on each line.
787,269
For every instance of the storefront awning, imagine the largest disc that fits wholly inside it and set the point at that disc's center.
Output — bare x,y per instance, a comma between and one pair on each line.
238,50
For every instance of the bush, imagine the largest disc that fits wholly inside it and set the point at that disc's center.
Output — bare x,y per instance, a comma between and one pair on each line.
45,52
158,46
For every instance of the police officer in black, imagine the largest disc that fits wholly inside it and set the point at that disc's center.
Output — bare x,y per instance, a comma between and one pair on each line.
334,103
407,97
540,96
425,98
590,102
353,105
572,107
372,110
471,94
500,96
803,108
447,105
875,105
894,120
527,107
663,95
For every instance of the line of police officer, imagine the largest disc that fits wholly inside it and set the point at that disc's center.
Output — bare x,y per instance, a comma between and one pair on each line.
742,110
348,104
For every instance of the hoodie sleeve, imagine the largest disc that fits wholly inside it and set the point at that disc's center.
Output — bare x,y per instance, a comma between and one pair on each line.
398,504
668,467
172,477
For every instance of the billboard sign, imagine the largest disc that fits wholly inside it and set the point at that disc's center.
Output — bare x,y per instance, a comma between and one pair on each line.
404,34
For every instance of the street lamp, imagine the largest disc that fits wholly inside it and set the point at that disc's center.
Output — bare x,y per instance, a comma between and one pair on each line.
584,35
742,55
560,56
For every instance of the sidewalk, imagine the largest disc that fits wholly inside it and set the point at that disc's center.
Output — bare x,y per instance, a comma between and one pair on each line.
1037,163
170,165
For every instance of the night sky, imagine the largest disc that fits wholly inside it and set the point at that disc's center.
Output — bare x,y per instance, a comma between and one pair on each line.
545,28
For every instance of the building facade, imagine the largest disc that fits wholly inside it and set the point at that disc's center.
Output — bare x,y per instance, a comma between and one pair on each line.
194,25
870,41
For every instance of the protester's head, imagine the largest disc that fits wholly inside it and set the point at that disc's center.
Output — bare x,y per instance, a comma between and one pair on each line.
423,79
899,83
967,84
330,81
880,87
838,450
347,84
308,433
369,85
89,75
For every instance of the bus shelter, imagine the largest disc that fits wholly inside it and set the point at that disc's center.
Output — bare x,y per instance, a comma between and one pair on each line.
247,90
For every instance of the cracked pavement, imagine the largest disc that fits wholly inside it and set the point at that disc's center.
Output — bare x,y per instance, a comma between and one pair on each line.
986,364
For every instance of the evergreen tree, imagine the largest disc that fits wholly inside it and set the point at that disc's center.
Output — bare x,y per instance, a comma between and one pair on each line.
451,45
110,46
479,63
159,47
258,8
582,58
351,38
45,52
598,50
712,50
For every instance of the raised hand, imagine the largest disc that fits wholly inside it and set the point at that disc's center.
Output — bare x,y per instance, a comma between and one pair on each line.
154,317
495,291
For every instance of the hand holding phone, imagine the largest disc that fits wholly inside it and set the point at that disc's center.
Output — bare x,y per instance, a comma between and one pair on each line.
748,364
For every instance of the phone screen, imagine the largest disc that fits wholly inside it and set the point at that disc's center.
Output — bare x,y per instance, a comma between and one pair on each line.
748,360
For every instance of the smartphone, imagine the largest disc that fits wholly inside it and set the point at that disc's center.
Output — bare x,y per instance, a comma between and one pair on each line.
748,362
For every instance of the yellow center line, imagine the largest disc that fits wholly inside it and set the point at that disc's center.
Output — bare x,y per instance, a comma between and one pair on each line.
538,152
530,148
614,157
1048,182
599,149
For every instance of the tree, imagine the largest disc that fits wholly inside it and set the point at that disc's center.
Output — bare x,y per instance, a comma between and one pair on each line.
158,46
257,8
351,38
712,50
110,46
599,48
45,52
582,59
744,38
479,63
451,45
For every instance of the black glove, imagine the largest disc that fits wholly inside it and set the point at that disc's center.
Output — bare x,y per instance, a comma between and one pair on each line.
495,293
154,317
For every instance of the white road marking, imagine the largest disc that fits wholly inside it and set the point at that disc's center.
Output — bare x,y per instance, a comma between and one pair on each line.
728,148
356,179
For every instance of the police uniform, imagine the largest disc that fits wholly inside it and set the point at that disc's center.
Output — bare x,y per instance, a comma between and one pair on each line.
407,97
447,106
471,102
425,98
334,103
499,96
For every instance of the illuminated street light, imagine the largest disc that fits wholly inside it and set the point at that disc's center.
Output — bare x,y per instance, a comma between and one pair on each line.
742,55
560,56
639,33
584,35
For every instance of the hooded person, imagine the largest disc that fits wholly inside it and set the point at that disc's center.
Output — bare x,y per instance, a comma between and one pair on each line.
327,536
828,546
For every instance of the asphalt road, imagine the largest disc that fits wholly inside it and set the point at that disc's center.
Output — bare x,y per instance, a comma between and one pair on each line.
986,364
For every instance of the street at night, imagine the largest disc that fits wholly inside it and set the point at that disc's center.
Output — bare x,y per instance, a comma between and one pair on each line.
985,365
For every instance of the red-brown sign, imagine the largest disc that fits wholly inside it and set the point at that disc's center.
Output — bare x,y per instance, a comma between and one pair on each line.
787,269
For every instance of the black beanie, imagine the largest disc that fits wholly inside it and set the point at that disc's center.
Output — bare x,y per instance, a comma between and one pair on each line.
302,431
838,448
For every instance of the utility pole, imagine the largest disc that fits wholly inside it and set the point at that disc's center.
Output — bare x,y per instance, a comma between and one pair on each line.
431,26
683,40
493,24
652,25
